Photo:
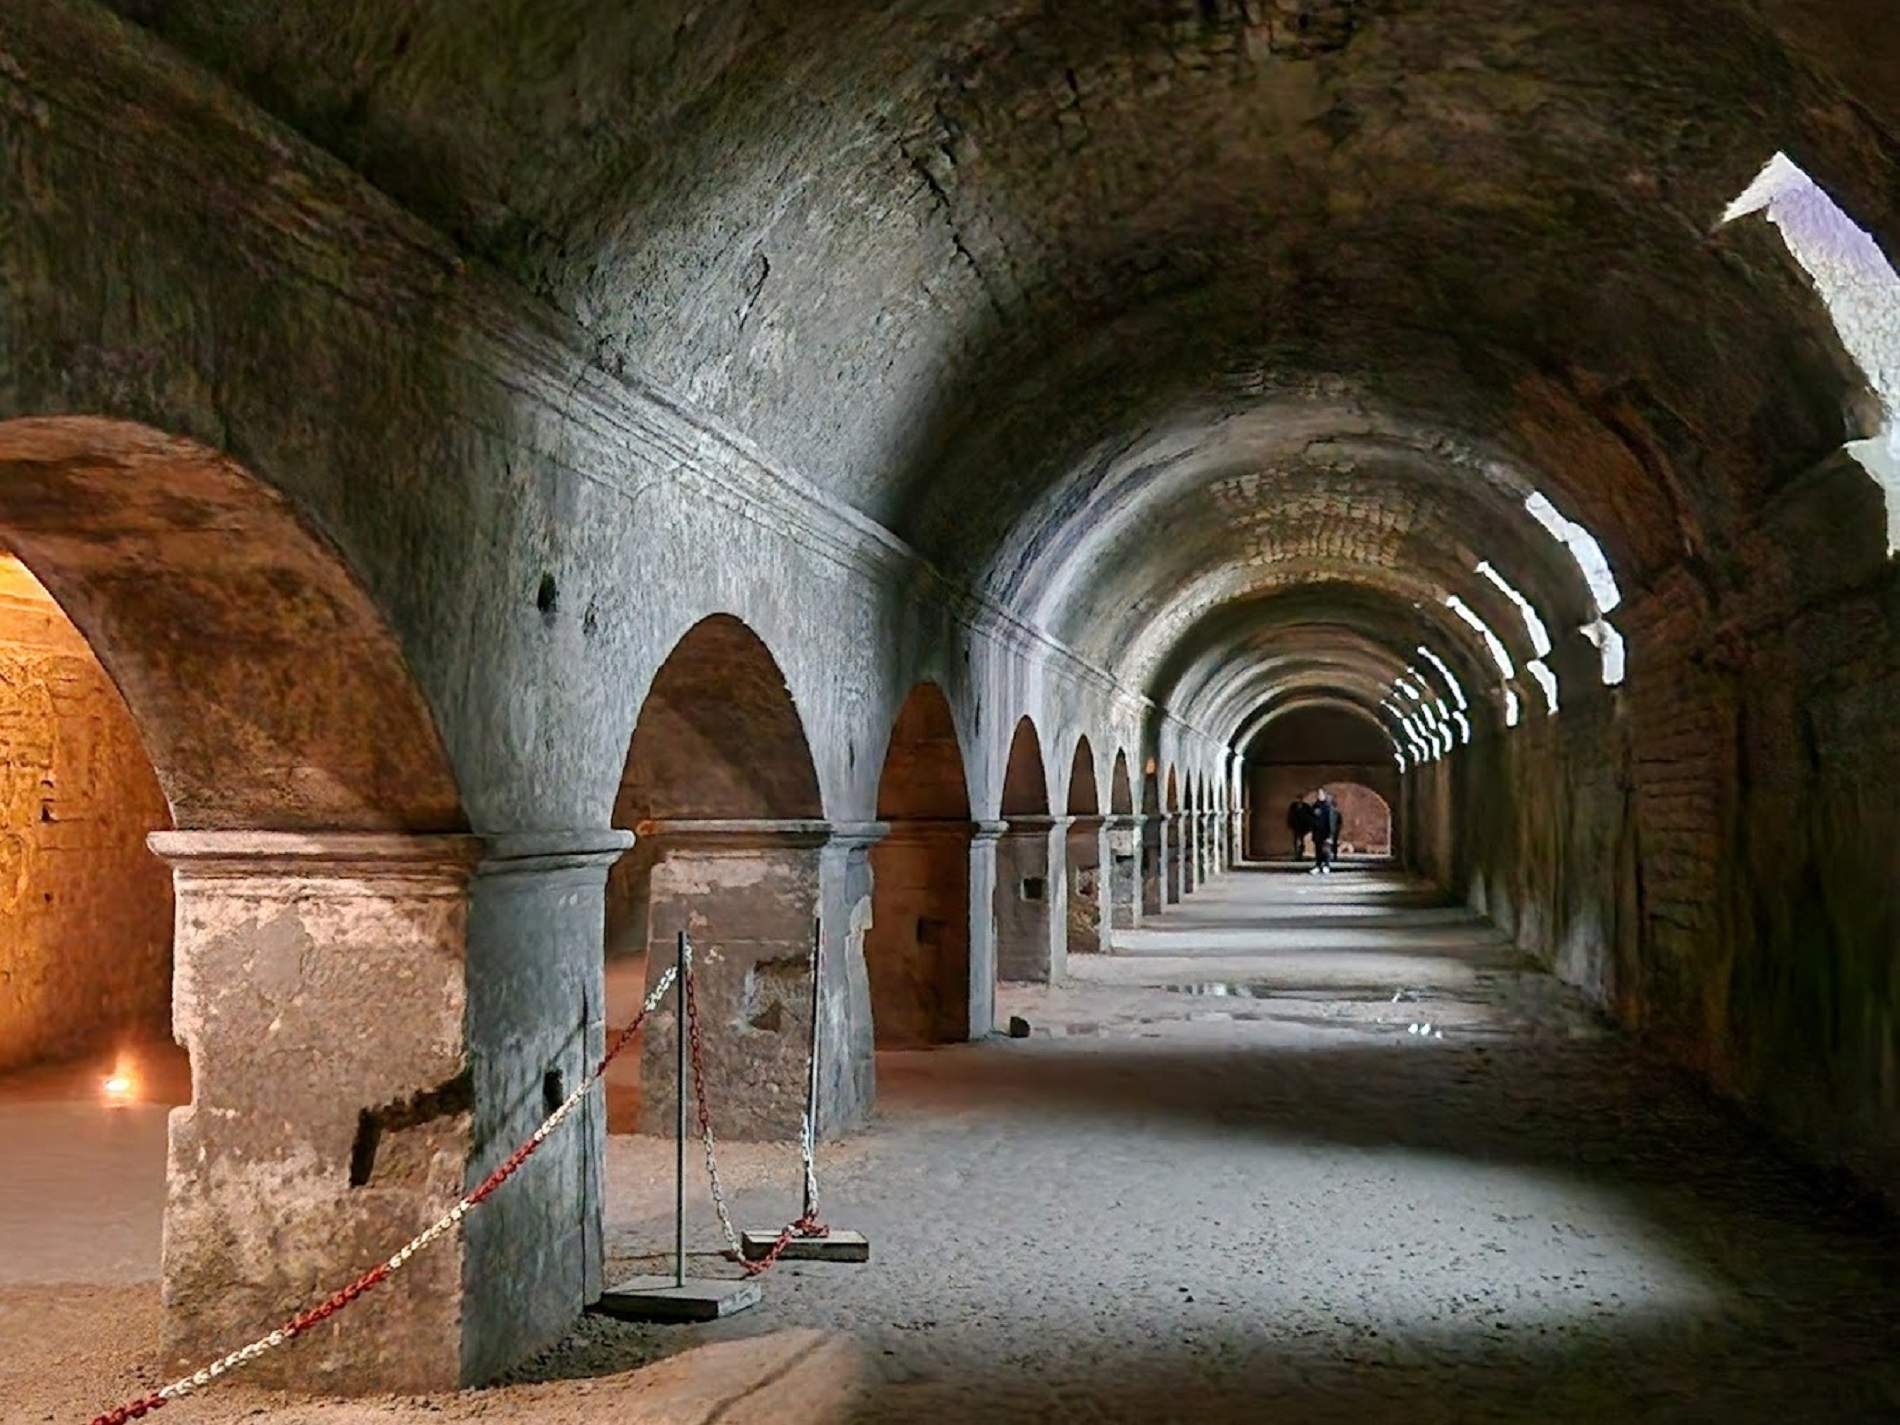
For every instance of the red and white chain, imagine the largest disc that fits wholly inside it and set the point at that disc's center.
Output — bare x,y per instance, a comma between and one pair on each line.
336,1301
807,1226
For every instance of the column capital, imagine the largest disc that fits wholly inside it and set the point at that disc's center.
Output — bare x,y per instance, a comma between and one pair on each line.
433,863
924,828
533,852
737,833
1034,825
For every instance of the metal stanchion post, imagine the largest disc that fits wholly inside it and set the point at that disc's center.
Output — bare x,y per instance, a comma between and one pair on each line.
679,1099
679,1298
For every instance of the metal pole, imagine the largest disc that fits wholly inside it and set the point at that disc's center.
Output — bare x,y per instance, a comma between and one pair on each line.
679,1141
811,1086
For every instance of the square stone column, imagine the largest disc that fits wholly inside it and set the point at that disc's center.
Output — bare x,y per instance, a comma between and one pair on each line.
1154,863
1087,856
748,895
1122,843
1236,837
984,837
930,947
1173,857
1031,899
536,1028
375,1021
1204,843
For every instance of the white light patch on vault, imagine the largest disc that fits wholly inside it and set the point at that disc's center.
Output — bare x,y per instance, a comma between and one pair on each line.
1547,681
1861,292
1500,655
1464,727
1533,622
1457,691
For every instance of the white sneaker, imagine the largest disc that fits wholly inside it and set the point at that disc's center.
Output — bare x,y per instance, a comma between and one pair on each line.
1313,871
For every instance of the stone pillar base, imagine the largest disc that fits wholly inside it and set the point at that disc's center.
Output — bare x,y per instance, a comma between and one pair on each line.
320,988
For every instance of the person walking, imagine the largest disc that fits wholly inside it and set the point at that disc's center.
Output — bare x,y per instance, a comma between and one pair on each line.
1324,823
1299,821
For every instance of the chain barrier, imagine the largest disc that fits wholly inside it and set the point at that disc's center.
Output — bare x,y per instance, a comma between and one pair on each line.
186,1385
806,1226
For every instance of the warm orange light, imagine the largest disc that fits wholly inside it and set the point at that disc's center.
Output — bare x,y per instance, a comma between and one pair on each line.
119,1088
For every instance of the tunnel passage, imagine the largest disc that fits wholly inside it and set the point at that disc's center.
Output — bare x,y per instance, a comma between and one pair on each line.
722,797
917,950
1470,372
1335,747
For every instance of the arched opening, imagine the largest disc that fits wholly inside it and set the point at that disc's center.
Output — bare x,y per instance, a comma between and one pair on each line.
720,790
1030,892
90,1068
1318,746
1365,820
294,755
917,950
1086,891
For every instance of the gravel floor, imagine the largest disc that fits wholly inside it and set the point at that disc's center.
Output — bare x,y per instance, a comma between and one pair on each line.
1224,1179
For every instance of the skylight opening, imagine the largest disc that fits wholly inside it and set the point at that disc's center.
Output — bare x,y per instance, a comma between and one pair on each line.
1512,711
1457,692
1610,645
1499,654
1464,728
1861,292
1533,623
1583,548
1547,681
1408,690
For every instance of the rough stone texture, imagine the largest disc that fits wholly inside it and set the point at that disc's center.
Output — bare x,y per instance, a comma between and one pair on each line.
387,393
746,895
85,908
1033,896
320,1134
1087,882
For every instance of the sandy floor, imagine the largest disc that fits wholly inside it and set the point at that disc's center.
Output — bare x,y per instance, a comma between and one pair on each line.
1221,1181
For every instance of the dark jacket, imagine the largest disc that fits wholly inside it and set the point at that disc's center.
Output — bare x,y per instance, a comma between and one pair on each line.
1325,820
1299,818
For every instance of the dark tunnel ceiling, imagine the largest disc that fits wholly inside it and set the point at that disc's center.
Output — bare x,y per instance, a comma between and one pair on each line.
1146,315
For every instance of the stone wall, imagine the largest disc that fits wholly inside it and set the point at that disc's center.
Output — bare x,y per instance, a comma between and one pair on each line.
85,908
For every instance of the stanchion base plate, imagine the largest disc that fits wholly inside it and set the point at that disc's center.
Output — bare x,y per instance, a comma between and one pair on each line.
660,1299
837,1247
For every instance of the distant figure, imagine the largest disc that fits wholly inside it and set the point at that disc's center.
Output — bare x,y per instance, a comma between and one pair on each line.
1299,821
1325,823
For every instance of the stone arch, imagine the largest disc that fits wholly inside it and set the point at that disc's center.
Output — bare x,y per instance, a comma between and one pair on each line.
266,685
721,793
308,790
1086,855
1025,783
917,950
1365,819
1121,793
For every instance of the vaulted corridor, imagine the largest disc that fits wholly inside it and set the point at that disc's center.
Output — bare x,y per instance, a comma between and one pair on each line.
886,520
